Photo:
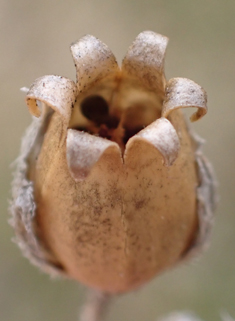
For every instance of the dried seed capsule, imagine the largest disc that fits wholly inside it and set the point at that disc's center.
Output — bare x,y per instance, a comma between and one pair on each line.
111,187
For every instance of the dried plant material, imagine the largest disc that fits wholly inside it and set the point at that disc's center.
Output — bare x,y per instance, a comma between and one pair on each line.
163,136
93,61
84,150
145,60
57,92
111,187
182,93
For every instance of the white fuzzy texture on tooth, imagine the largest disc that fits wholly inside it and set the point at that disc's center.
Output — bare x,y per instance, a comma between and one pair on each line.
57,92
163,136
83,151
182,93
145,60
93,61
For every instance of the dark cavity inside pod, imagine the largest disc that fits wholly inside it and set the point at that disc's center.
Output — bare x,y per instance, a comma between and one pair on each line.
116,108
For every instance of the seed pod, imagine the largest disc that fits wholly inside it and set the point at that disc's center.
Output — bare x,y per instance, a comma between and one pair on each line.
111,187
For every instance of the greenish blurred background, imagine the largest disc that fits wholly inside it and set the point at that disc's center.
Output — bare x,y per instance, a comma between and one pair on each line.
34,39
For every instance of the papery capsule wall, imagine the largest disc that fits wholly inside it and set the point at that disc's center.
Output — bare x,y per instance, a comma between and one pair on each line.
114,212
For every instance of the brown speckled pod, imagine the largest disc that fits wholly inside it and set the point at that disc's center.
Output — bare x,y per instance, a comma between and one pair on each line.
111,187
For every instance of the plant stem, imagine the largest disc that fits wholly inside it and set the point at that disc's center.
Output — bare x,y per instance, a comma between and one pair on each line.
95,306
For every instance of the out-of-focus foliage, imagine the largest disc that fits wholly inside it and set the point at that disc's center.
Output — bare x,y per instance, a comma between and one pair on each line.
35,38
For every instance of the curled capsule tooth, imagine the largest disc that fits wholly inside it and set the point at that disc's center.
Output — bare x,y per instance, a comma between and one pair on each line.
145,60
83,151
93,61
162,135
57,92
182,93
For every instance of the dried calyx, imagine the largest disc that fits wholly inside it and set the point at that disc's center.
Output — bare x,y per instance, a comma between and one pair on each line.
115,186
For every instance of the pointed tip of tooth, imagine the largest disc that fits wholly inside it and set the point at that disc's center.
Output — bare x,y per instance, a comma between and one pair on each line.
162,135
84,151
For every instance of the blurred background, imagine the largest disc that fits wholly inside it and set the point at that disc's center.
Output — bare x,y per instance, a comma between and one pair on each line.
34,41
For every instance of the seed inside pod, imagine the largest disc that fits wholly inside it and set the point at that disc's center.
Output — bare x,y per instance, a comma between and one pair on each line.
117,109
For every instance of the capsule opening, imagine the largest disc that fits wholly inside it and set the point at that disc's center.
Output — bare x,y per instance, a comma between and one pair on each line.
116,109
